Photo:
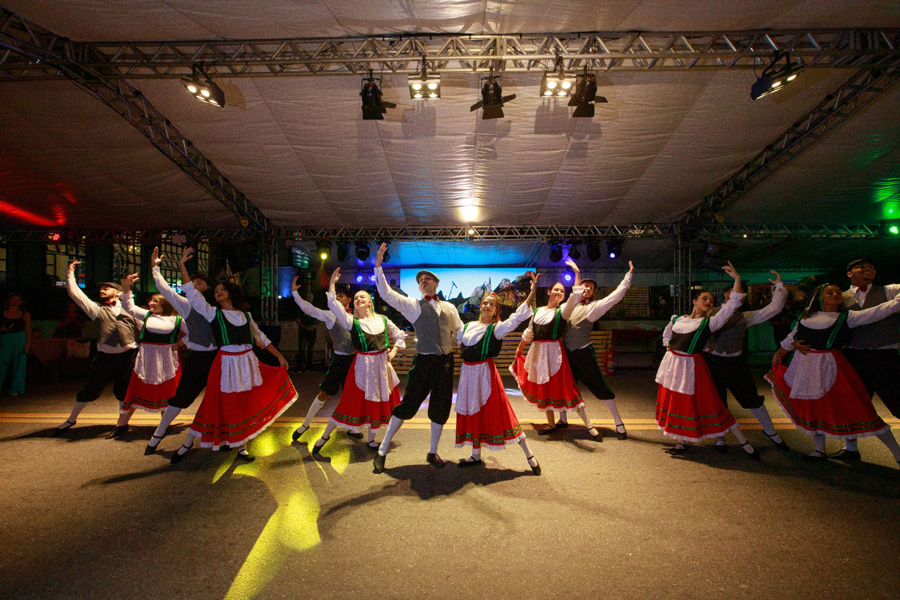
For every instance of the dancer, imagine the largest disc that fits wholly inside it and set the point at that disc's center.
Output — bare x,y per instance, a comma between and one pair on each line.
243,396
199,340
116,346
340,360
370,387
157,368
724,355
581,355
544,376
872,350
15,338
436,323
820,391
483,413
688,408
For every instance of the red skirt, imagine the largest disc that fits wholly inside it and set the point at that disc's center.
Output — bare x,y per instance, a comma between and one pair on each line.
235,418
495,425
693,417
559,393
354,410
153,398
845,411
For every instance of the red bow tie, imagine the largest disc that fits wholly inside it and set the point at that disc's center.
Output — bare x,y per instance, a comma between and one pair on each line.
349,310
584,301
430,298
863,288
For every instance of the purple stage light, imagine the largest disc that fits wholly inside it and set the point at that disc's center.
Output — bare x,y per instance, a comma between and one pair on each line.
359,278
371,277
568,277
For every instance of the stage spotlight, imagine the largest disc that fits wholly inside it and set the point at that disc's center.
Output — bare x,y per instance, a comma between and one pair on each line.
593,249
202,87
492,98
359,278
343,250
567,277
362,249
373,106
372,277
585,95
774,77
557,83
323,249
574,252
614,248
556,252
425,87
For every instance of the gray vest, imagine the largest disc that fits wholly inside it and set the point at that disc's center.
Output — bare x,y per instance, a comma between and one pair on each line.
729,339
115,330
579,332
874,335
199,330
434,334
340,339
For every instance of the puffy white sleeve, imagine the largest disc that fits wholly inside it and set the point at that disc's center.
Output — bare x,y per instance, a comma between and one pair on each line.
88,306
342,317
511,322
397,335
755,317
667,332
572,302
316,313
406,306
598,308
787,342
127,299
198,302
258,335
181,304
718,320
857,318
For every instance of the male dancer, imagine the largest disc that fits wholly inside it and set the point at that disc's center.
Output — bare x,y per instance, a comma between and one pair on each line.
724,355
340,360
116,348
436,323
872,350
200,342
578,344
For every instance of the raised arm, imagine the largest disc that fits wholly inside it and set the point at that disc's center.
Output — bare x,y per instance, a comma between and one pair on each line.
857,318
342,317
198,302
575,268
186,255
316,313
779,296
398,336
88,306
406,306
181,304
572,302
264,342
522,313
735,299
127,299
598,308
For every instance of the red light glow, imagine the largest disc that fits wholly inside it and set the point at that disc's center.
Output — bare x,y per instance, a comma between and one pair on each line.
33,219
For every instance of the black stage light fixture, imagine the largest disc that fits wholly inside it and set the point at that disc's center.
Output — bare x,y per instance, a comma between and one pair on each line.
492,98
558,82
323,249
775,77
343,250
614,248
593,249
574,252
362,249
373,106
425,87
585,95
202,87
556,252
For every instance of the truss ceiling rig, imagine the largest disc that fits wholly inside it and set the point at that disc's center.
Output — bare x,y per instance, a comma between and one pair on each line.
402,53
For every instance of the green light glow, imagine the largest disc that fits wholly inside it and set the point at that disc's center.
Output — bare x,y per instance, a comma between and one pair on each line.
894,229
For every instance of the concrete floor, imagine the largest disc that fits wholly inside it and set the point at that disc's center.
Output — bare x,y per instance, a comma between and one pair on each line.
86,517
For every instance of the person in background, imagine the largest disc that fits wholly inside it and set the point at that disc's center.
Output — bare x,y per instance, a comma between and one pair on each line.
15,337
306,325
70,324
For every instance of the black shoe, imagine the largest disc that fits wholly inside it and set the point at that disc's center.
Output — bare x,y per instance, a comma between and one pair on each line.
721,448
225,448
60,430
536,469
179,456
597,437
356,435
815,457
373,446
298,433
782,445
245,456
622,435
434,460
150,449
379,463
470,463
753,455
317,447
562,424
547,430
844,454
675,450
118,432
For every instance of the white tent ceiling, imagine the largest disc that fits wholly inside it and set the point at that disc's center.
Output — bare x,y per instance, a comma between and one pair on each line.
298,148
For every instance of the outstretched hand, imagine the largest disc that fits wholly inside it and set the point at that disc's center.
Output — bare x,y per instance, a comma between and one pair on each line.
777,279
630,267
572,264
335,276
129,281
379,256
294,285
186,255
73,264
156,258
729,268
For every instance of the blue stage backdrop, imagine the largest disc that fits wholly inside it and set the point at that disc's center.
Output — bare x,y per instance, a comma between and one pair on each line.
459,281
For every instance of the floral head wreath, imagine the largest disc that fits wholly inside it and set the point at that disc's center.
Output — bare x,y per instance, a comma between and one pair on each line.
496,299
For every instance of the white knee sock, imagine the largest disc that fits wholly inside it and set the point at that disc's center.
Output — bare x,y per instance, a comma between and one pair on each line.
164,422
891,442
124,417
583,414
371,434
738,434
476,453
314,409
436,429
819,442
564,417
188,442
393,426
851,445
76,410
611,405
762,415
523,444
332,424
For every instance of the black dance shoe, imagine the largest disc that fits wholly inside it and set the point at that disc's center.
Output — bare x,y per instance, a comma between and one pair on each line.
470,463
59,431
782,445
536,469
150,449
721,448
356,435
622,435
548,429
844,454
815,457
245,456
434,460
378,463
317,447
753,455
118,432
597,437
179,455
676,451
298,433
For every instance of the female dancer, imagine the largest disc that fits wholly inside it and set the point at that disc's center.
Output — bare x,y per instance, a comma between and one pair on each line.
15,334
688,408
243,396
370,389
483,413
545,377
157,369
820,391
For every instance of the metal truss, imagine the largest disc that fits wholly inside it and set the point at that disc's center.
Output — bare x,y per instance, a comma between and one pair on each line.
19,38
107,236
402,53
858,91
484,233
268,282
781,231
